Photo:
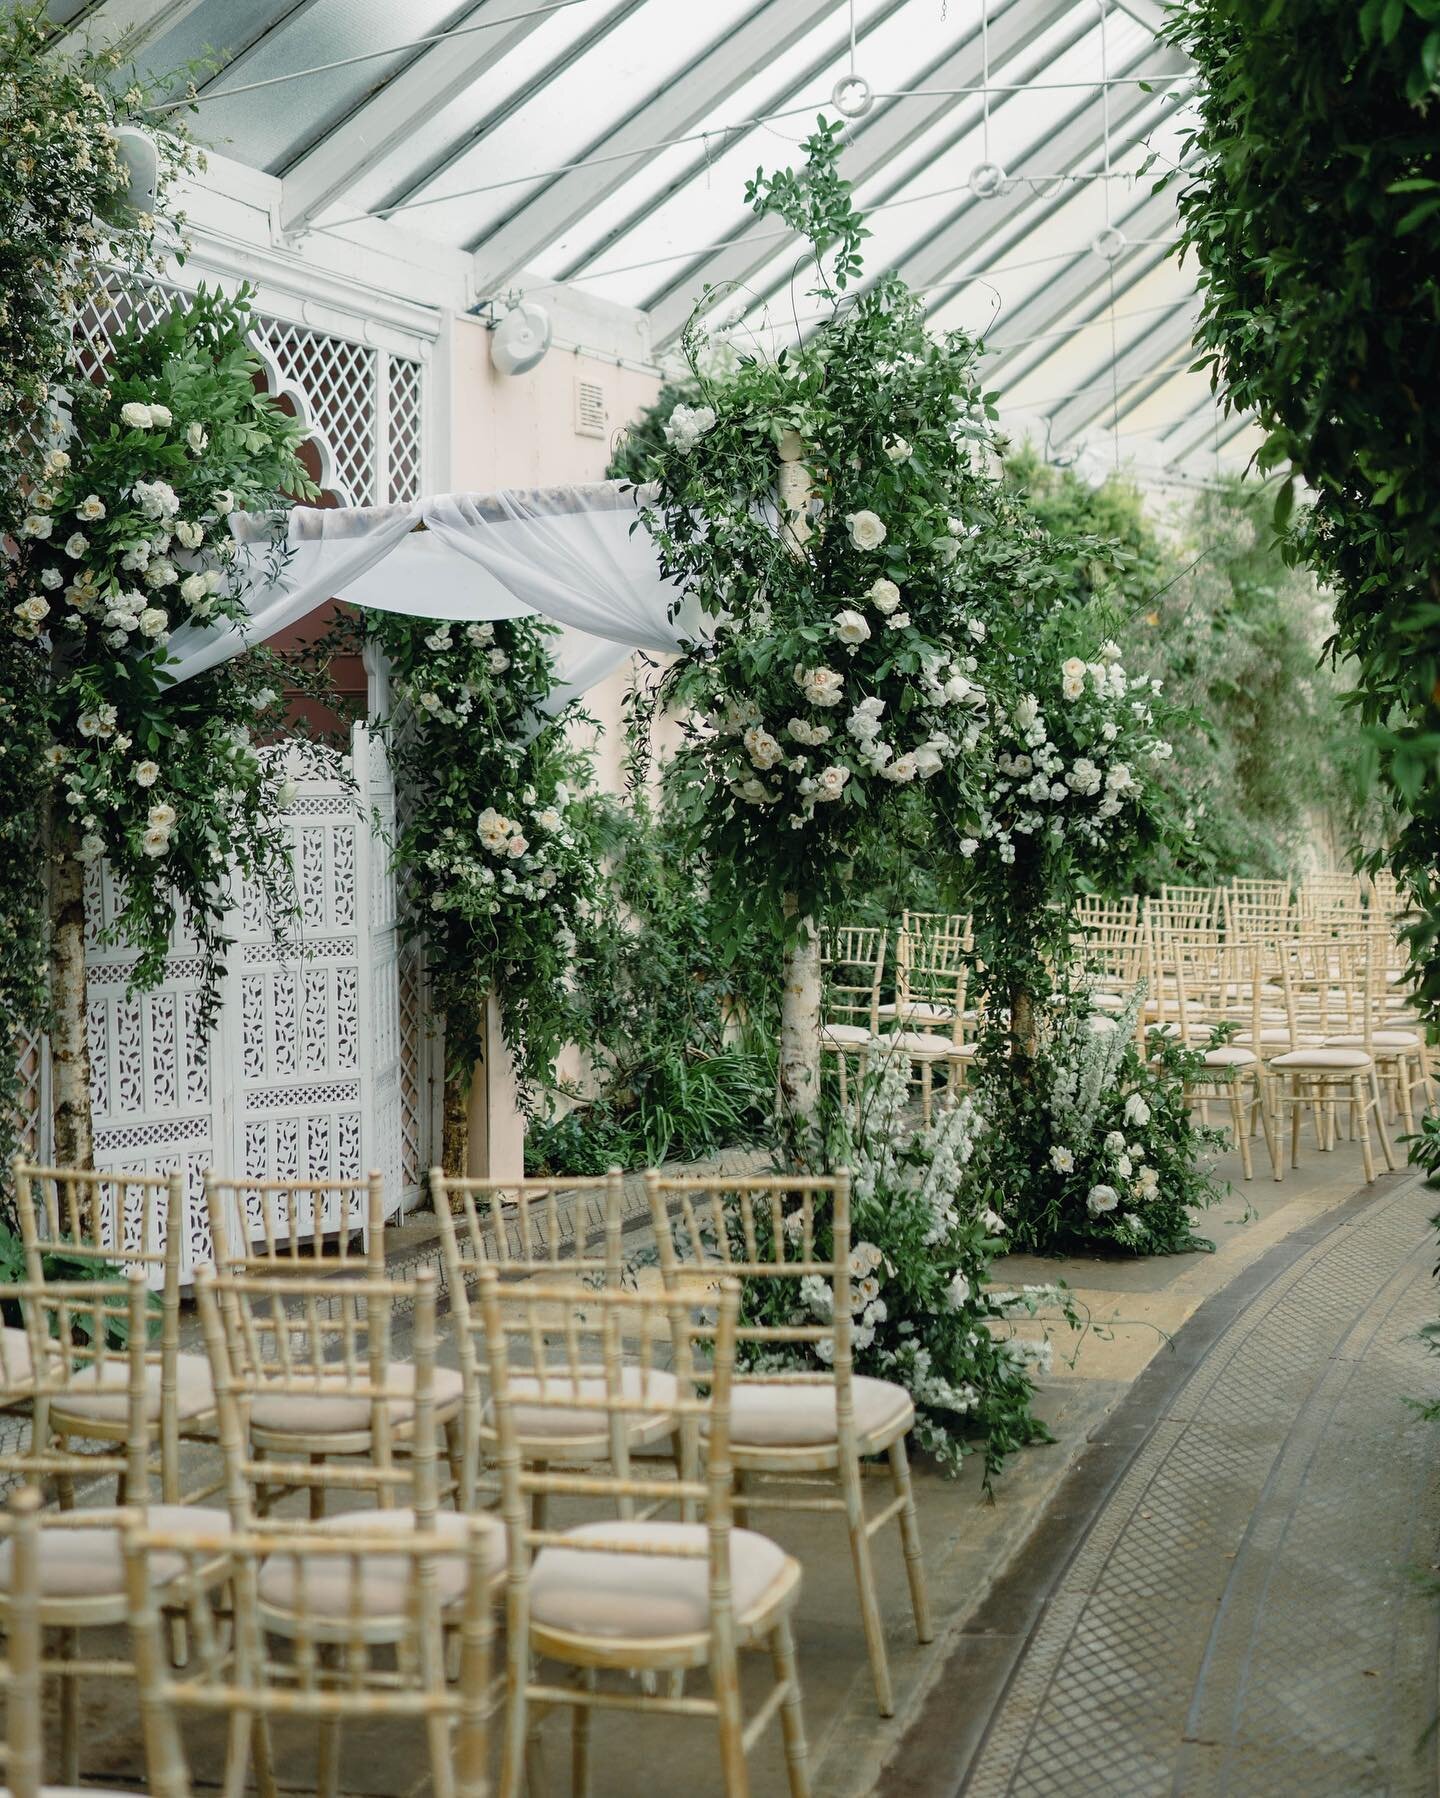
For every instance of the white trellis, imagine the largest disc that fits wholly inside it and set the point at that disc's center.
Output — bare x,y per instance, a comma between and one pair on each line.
302,1077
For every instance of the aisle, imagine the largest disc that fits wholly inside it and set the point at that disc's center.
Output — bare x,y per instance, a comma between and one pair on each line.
1242,1616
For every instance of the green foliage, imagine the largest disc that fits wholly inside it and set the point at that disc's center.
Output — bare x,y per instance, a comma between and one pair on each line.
1311,201
817,204
676,1015
495,853
126,540
644,437
1266,757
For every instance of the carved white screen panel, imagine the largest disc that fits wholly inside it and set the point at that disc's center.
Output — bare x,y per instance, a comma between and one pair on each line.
301,1078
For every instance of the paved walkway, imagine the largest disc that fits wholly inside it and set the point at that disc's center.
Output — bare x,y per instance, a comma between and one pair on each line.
1226,1595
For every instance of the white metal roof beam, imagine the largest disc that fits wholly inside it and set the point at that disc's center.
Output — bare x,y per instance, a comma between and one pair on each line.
870,149
126,22
1084,282
721,68
1131,367
1199,435
381,123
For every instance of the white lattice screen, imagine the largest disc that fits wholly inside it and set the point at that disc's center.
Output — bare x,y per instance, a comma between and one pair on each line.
319,1063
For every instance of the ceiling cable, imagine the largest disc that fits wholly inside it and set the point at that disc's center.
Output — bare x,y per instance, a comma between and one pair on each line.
349,62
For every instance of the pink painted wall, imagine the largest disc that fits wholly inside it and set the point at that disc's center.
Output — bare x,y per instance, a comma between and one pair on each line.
519,431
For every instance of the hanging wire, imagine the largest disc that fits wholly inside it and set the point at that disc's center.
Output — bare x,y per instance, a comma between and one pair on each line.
1109,226
852,40
985,79
349,62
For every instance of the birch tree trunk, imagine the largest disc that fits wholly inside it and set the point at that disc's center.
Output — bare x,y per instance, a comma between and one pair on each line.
74,1144
455,1127
800,1020
800,1000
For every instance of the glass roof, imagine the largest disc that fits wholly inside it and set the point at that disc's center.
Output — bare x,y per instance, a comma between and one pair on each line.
605,143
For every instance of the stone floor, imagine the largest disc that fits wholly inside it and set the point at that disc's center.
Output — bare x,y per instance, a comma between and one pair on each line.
1206,1584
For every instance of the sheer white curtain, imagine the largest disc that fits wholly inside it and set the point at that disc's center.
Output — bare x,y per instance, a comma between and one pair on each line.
577,555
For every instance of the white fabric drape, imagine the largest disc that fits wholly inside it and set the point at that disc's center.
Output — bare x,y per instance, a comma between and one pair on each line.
577,555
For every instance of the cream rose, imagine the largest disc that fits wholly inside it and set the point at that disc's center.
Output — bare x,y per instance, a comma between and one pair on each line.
867,531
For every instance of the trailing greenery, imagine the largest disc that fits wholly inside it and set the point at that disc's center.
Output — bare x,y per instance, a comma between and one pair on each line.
495,851
1311,202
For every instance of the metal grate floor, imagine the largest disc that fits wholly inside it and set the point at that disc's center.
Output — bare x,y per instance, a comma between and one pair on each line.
1247,1616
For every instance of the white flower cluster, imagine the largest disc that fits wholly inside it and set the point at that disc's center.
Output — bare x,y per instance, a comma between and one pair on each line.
688,424
1072,773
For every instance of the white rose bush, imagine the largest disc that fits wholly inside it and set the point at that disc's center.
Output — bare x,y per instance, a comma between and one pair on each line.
126,538
838,671
496,855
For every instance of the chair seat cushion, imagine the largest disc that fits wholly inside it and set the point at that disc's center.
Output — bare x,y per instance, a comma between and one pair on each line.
921,1045
582,1431
16,1368
107,1401
650,1596
1321,1060
1278,1035
328,1586
1108,1002
90,1562
1381,1039
845,1036
340,1413
792,1414
1226,1055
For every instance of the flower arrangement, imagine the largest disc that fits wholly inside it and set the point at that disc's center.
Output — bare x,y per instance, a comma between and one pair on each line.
496,856
125,539
926,1316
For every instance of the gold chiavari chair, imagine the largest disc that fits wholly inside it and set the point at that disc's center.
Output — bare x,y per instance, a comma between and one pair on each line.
530,1229
787,1427
347,1597
125,1221
927,946
1399,1054
309,1395
1318,981
1257,908
633,1594
938,975
88,1336
852,968
306,1226
1201,972
1329,898
1189,907
1108,954
22,1752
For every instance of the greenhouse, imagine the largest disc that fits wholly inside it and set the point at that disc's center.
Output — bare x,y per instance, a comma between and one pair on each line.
719,884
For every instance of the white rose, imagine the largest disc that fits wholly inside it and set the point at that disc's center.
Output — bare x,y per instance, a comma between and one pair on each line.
1115,1142
761,747
688,424
1123,1166
754,791
823,686
145,774
866,530
897,449
498,661
193,588
285,794
136,415
160,816
1119,778
968,846
1137,1112
958,1292
946,550
76,545
160,415
897,621
884,596
850,627
33,610
223,500
196,437
1101,1199
1073,687
156,499
191,535
1062,1160
1027,710
38,525
91,849
161,572
1072,668
928,761
91,507
1084,777
51,578
156,842
154,622
901,770
830,782
517,847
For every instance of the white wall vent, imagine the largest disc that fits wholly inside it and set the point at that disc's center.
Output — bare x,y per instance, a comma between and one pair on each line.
589,409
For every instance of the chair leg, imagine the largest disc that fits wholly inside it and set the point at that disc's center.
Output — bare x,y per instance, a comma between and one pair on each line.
1366,1154
68,1645
910,1542
1380,1129
1295,1105
865,1585
1261,1104
730,1722
455,1455
327,1754
580,1742
317,1493
1240,1133
792,1717
514,1757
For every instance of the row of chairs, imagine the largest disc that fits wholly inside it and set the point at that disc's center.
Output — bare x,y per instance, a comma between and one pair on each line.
568,1385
